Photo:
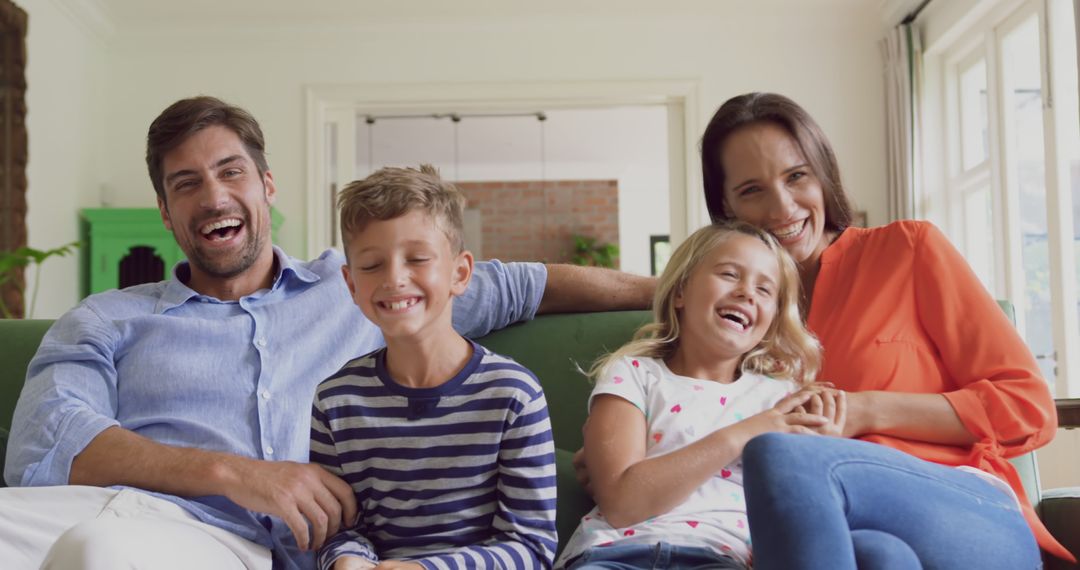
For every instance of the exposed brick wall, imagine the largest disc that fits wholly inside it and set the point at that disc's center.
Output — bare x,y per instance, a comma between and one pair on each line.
536,221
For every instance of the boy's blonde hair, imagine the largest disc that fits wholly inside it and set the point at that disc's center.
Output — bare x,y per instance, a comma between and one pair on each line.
787,350
391,192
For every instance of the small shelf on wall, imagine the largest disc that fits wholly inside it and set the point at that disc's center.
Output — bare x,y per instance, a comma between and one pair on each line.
129,246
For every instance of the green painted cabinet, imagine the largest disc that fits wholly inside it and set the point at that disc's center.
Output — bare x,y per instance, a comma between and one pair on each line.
128,246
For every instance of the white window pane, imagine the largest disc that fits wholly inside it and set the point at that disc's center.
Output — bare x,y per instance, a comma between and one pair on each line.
974,121
1067,117
979,239
1022,83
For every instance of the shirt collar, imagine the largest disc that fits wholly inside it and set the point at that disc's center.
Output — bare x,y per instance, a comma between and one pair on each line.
177,293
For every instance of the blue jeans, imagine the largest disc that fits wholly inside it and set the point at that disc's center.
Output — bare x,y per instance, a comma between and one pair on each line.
650,556
823,502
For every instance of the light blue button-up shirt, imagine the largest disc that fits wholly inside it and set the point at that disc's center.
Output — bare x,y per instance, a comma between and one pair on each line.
238,377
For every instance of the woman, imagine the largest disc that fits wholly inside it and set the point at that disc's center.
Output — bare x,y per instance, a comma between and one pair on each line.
941,389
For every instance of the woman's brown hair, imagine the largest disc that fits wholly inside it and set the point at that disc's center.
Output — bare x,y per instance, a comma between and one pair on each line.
756,108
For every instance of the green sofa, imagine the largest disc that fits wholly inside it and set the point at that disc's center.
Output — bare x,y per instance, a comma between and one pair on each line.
554,347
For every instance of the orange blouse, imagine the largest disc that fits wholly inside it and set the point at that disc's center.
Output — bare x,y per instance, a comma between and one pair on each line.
897,308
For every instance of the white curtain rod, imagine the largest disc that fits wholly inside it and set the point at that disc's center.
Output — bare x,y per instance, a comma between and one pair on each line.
455,117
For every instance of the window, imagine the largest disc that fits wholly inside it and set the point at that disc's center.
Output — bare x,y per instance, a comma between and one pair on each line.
1003,100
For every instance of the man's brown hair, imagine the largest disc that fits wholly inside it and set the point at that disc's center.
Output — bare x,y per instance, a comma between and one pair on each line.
188,116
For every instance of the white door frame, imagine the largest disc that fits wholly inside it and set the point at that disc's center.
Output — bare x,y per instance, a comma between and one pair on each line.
326,102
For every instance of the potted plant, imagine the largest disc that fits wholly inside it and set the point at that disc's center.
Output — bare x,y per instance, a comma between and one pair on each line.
12,261
588,252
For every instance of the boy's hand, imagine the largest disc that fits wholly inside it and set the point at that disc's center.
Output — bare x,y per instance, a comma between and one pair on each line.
399,565
353,563
581,471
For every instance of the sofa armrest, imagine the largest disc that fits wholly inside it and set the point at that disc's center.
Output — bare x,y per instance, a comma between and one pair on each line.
1068,410
1060,511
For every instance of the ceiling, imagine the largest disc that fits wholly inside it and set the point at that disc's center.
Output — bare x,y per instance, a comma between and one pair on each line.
135,15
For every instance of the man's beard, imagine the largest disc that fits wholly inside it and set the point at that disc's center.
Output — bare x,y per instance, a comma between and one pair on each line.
228,266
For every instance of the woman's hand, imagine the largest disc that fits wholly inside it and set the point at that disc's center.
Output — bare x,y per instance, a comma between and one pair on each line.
919,417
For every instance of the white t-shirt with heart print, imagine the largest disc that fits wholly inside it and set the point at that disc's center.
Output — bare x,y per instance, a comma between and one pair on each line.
679,411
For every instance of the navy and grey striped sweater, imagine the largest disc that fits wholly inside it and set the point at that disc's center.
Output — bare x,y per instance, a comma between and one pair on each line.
457,476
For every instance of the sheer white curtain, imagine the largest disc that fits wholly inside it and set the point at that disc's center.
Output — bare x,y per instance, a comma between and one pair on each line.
902,56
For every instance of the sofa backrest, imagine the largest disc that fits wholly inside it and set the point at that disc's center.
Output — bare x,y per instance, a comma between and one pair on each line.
557,348
554,347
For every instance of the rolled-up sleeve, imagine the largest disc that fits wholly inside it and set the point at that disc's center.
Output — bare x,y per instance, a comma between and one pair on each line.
499,295
68,399
1001,396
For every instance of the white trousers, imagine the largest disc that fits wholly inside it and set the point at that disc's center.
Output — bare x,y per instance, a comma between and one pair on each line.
94,528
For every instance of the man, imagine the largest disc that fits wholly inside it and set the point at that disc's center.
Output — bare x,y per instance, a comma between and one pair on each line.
176,414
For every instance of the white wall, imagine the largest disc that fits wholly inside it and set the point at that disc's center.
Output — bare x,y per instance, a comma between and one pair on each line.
67,136
824,54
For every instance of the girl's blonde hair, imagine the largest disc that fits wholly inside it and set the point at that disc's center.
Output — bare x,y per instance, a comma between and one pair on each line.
787,350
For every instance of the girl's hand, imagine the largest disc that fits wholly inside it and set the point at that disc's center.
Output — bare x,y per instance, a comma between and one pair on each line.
832,404
353,563
789,415
828,402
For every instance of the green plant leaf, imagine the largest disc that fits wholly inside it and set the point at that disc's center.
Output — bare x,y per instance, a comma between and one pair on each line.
588,252
24,257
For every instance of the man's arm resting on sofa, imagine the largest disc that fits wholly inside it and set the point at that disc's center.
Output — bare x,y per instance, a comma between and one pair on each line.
572,288
298,493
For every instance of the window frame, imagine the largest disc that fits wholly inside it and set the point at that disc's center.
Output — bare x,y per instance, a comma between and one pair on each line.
947,184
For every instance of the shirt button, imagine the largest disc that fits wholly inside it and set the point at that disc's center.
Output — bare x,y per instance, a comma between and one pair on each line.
265,394
261,342
269,450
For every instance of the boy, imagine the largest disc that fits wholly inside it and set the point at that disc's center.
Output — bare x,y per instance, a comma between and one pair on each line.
447,446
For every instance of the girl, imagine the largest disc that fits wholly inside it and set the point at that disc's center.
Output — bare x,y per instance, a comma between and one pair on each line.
672,410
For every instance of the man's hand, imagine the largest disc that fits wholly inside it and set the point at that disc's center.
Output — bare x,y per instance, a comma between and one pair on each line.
353,563
301,494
